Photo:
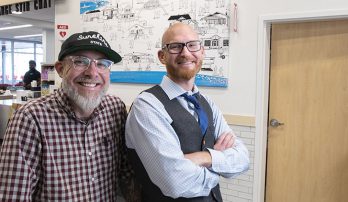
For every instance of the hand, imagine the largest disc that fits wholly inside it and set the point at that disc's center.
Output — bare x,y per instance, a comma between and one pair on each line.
131,190
225,141
201,158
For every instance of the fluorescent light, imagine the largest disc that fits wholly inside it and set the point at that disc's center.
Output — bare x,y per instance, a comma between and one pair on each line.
15,27
16,12
27,36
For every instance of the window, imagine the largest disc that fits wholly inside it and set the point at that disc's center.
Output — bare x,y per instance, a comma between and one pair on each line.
225,42
207,42
6,61
14,59
215,43
1,79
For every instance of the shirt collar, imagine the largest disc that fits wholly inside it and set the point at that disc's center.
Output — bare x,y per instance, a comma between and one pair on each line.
174,90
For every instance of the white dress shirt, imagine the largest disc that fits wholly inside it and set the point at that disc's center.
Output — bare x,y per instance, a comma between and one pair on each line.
149,132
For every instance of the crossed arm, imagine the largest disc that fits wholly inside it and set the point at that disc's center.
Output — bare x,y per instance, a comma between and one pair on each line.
203,158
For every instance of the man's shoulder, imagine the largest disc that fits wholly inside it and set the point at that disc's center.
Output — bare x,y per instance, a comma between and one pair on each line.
112,101
38,105
153,90
37,71
147,99
147,93
112,98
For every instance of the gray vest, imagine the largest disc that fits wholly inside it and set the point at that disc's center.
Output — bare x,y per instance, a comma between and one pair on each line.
191,140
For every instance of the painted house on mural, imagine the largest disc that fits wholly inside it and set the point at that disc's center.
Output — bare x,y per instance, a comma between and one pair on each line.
90,16
127,13
186,18
208,62
138,31
216,18
110,12
152,4
139,58
215,42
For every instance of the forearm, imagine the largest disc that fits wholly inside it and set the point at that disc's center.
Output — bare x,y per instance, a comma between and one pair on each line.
230,162
175,175
180,177
160,152
202,158
131,190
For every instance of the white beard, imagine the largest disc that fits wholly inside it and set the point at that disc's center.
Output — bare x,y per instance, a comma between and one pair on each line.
87,104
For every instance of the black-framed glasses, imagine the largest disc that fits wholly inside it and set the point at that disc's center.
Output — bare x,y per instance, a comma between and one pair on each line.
83,62
175,48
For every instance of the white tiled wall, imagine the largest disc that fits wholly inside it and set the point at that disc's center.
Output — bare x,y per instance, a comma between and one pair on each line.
240,189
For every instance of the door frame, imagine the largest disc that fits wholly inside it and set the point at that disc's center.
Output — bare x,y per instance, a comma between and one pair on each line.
262,88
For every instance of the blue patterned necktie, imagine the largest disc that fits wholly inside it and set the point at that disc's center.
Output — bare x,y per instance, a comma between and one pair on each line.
202,116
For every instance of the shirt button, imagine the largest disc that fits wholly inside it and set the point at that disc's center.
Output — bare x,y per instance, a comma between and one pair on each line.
92,179
90,153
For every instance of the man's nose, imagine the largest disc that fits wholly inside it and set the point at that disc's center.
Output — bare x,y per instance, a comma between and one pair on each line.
92,69
185,51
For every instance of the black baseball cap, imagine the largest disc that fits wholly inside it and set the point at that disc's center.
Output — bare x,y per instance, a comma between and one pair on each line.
88,41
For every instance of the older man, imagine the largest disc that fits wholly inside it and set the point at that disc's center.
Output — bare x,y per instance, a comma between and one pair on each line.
69,146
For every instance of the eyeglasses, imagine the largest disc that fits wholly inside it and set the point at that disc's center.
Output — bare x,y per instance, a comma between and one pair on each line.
82,63
175,48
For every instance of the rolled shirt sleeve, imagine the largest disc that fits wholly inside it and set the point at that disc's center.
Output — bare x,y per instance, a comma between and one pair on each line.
230,162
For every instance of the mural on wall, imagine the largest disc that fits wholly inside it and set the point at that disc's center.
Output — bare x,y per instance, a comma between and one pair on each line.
134,29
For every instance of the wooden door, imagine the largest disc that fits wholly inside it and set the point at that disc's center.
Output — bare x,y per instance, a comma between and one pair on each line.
307,157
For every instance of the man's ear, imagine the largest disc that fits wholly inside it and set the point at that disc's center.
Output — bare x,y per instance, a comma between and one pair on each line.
161,56
203,51
59,68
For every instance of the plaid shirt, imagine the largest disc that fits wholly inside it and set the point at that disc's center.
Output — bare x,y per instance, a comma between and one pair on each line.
48,154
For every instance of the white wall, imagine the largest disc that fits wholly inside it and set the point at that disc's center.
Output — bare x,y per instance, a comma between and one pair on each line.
240,96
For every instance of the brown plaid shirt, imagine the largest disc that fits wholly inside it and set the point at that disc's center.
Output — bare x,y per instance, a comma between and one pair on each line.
48,154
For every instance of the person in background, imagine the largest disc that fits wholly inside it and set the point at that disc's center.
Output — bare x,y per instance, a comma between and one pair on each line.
31,75
178,139
69,145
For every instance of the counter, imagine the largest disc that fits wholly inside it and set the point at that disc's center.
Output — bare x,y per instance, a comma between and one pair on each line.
5,97
6,109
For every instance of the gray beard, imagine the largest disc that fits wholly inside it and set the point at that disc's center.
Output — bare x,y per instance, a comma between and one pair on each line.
87,104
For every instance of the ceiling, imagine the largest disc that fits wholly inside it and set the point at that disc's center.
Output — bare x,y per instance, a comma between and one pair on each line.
42,19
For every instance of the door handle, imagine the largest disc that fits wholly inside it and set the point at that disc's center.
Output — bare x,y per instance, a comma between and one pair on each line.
275,123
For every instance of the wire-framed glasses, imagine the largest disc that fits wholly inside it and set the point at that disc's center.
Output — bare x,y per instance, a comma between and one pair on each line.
175,48
82,63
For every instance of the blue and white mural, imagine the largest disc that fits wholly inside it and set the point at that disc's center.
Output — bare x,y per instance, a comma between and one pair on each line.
134,29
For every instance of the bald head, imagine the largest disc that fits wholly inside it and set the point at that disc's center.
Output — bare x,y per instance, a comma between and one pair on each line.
177,30
182,54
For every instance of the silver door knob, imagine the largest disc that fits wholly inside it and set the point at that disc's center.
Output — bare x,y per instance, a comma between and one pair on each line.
275,123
